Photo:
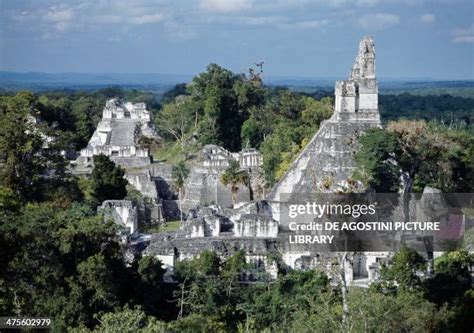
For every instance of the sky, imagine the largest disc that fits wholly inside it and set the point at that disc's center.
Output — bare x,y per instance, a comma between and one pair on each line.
415,39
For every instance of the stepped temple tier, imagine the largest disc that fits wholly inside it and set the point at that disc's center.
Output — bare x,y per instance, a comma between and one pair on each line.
327,161
117,136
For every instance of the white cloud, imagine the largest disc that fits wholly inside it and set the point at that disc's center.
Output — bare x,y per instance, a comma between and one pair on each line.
379,21
54,21
60,18
367,2
463,39
55,15
144,19
345,3
280,22
260,20
225,6
464,35
312,24
427,18
179,32
108,19
464,31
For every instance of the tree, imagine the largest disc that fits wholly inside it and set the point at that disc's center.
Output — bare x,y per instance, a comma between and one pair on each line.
200,288
430,154
149,289
21,145
232,269
83,112
434,154
108,182
224,100
179,174
252,135
279,147
178,119
314,111
150,270
403,269
8,201
376,163
213,91
290,104
405,312
63,263
178,90
96,281
125,320
233,176
452,277
197,323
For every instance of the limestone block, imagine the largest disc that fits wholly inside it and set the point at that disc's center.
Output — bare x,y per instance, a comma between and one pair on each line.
255,225
368,102
194,228
123,212
254,207
143,182
212,225
291,258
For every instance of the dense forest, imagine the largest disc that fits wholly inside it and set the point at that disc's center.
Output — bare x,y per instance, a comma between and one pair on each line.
60,259
238,111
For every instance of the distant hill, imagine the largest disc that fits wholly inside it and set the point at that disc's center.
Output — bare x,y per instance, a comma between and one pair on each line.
37,81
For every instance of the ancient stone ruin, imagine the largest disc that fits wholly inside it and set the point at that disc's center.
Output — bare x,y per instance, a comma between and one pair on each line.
122,212
117,136
203,186
252,225
327,163
217,157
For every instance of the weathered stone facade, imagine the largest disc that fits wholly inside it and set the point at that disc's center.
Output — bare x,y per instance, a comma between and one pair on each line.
203,187
117,136
217,157
122,212
326,163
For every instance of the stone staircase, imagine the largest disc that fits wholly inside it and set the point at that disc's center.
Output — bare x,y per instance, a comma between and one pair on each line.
327,157
124,133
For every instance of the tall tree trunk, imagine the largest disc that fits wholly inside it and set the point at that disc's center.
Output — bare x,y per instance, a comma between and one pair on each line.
183,149
181,306
234,196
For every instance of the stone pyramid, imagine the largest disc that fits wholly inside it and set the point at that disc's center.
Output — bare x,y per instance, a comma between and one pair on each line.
327,161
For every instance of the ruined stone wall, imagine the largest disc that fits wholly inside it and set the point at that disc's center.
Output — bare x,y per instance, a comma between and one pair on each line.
116,136
327,162
122,212
203,187
143,182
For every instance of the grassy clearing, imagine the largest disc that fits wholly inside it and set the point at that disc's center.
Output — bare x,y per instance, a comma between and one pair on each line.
171,153
168,226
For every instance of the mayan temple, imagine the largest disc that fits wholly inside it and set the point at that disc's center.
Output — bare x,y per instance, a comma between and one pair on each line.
327,161
117,136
